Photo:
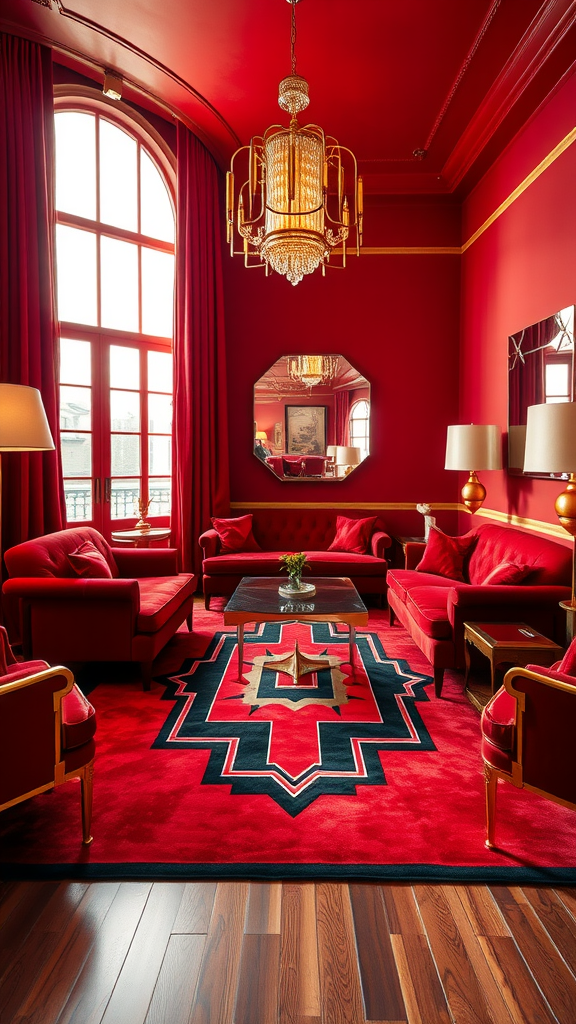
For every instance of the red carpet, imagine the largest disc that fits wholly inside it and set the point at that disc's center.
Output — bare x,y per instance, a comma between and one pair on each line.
372,777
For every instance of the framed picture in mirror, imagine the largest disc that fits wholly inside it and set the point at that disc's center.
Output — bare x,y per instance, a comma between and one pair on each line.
305,429
540,370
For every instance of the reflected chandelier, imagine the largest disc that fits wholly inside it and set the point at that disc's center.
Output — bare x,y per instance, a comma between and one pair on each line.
312,370
292,210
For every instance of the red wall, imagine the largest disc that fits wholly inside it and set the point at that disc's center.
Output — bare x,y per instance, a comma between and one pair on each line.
395,318
522,269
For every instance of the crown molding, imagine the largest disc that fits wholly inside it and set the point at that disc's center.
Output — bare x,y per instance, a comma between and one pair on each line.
540,40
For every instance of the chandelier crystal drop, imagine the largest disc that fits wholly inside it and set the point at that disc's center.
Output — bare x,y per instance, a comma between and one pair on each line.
291,210
312,370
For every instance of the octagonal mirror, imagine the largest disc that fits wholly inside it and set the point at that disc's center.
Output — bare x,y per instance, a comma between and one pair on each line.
312,418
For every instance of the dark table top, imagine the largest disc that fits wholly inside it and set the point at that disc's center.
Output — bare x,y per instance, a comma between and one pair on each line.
259,594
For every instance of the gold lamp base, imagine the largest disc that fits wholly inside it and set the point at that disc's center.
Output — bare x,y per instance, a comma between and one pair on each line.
473,492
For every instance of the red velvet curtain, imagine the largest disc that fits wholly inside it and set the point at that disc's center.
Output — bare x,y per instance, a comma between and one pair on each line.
32,493
200,431
342,416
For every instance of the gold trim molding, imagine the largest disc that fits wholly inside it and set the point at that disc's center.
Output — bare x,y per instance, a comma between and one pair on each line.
536,525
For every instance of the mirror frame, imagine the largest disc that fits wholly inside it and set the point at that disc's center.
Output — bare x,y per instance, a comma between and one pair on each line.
277,432
516,357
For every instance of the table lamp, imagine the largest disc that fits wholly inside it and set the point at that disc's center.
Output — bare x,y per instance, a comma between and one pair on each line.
347,457
23,425
551,448
471,447
261,435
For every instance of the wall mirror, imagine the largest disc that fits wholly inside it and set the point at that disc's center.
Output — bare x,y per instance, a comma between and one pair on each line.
540,370
312,418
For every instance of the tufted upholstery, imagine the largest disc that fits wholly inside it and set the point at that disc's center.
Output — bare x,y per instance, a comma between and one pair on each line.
436,623
311,530
37,559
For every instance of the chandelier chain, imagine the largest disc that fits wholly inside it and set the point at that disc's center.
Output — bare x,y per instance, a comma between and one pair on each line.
293,38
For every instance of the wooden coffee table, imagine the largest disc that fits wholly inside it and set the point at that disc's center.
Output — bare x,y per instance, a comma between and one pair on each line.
256,599
512,643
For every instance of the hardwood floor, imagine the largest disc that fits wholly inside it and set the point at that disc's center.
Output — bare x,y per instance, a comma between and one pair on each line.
285,953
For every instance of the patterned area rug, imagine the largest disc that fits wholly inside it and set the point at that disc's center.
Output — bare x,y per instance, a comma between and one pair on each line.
349,774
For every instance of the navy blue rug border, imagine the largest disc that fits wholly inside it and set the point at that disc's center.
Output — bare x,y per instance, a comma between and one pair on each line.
414,873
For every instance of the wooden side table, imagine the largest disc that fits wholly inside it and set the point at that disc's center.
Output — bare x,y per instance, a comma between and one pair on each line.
139,538
511,643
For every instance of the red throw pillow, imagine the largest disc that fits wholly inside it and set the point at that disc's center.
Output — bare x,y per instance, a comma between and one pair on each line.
88,562
568,663
235,535
506,573
444,555
353,535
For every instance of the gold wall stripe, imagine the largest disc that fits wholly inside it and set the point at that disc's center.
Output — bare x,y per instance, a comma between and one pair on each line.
537,525
377,505
542,166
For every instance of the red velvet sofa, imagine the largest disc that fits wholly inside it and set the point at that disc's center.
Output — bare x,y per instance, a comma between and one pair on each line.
277,531
68,618
434,608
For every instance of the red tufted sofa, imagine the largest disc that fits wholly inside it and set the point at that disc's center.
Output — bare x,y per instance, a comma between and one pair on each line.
434,608
280,530
68,618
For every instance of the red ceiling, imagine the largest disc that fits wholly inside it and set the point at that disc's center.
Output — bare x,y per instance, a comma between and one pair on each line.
456,78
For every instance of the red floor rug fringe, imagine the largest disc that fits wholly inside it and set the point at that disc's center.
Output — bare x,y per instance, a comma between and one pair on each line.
344,776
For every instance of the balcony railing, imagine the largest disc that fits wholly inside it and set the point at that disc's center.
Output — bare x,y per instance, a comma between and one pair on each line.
124,502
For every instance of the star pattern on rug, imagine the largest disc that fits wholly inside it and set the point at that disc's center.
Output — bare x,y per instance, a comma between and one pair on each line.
295,743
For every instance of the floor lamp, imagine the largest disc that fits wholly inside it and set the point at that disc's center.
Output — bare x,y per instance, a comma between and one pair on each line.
551,448
23,427
470,447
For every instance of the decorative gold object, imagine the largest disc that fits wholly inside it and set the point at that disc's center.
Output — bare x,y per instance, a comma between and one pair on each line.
291,210
473,445
143,525
297,664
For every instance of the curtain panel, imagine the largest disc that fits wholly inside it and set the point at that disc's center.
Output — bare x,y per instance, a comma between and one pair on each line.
32,491
200,427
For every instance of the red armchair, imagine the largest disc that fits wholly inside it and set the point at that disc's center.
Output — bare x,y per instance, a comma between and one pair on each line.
129,616
46,732
528,736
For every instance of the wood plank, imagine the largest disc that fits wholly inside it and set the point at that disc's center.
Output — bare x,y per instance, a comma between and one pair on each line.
299,1001
457,973
490,990
522,996
341,996
430,996
30,958
482,910
52,988
402,910
174,991
264,908
136,982
195,911
568,897
216,990
95,983
257,997
557,920
22,916
378,972
550,972
406,982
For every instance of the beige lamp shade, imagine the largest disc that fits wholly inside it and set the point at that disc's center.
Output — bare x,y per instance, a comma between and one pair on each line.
23,423
516,446
331,451
473,446
551,438
346,456
261,435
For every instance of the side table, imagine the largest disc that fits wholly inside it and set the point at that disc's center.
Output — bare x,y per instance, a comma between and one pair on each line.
403,541
139,538
506,643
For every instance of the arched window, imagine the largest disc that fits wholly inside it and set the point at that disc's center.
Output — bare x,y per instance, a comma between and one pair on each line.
360,427
115,272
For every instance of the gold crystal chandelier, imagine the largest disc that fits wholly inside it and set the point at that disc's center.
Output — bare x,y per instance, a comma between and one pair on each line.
312,370
292,210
